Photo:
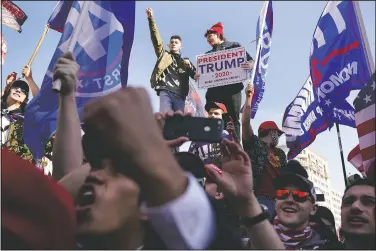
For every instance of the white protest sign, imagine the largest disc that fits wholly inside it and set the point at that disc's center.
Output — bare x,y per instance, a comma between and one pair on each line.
221,68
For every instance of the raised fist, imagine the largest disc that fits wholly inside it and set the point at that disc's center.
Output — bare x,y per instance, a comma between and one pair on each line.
149,12
66,69
26,72
249,91
11,78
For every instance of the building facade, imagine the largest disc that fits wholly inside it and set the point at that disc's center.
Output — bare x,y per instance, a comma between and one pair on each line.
317,169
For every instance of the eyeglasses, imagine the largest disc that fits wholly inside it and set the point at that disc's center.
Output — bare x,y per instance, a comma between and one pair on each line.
298,196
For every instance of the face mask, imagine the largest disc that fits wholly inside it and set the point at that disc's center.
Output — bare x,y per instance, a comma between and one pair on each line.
275,137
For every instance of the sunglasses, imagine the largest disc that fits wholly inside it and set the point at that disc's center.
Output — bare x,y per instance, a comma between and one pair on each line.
298,196
21,89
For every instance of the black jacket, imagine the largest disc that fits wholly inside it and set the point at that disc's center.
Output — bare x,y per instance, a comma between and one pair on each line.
221,92
227,234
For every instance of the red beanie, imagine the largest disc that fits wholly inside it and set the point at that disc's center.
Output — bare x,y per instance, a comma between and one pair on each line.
217,28
35,209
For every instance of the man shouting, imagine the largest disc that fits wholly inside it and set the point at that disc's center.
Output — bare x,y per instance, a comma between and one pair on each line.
170,77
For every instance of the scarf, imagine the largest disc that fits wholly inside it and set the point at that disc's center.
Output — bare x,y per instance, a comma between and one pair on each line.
293,238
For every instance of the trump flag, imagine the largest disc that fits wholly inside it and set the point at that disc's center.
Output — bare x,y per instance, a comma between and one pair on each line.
264,32
100,35
339,63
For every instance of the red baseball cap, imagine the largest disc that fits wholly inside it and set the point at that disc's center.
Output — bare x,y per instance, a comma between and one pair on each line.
216,28
269,125
216,105
35,209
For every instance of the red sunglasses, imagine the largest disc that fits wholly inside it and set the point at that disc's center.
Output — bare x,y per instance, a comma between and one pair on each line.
298,196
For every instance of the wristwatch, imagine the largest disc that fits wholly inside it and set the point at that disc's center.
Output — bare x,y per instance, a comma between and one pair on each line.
251,221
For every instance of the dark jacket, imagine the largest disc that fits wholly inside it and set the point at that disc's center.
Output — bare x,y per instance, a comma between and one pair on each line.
228,232
320,243
164,60
221,92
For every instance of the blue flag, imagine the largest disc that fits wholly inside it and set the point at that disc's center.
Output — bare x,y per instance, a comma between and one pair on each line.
59,15
264,30
100,35
262,58
339,63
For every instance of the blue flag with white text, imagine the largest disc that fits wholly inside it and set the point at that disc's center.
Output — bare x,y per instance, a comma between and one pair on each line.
339,63
264,36
260,70
100,35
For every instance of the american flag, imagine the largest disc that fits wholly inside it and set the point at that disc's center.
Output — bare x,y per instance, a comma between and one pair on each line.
355,158
365,123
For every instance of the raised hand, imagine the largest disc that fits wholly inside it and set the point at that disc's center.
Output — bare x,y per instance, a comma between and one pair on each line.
149,12
249,91
230,128
26,72
123,123
161,118
236,180
11,78
66,69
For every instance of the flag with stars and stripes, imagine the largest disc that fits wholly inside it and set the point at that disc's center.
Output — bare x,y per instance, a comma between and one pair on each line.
193,103
100,35
366,124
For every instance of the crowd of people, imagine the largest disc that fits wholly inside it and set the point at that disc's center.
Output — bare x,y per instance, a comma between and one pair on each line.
121,185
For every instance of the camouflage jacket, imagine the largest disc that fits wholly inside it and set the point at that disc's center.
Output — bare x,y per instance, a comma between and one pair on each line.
259,154
15,141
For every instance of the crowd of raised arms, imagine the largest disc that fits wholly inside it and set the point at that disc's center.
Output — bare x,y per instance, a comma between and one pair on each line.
117,183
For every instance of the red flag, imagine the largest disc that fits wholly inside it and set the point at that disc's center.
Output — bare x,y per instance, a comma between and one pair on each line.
365,123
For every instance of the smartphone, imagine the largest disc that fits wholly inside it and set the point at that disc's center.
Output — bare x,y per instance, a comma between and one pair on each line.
226,118
197,129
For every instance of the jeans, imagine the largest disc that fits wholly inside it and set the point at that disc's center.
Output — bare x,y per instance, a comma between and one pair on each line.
233,105
169,101
270,203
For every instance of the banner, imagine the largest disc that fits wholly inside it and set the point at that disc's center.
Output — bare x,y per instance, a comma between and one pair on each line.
12,16
221,68
264,32
100,34
193,103
4,49
339,63
304,119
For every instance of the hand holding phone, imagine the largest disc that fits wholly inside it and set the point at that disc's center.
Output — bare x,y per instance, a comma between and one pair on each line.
195,128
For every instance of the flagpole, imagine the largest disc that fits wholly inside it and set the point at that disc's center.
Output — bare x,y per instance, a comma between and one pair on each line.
259,43
364,36
341,152
38,45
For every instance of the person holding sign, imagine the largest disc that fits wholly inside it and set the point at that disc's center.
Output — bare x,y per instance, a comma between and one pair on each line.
229,95
170,77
